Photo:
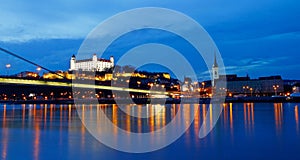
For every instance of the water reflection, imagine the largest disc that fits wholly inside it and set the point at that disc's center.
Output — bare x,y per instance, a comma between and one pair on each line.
37,133
231,117
4,135
297,118
62,121
278,113
227,119
249,117
159,116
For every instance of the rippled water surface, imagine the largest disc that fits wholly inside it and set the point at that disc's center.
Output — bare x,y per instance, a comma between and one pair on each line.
244,131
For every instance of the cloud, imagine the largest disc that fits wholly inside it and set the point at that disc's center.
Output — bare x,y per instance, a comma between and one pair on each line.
25,21
265,38
249,33
242,66
39,30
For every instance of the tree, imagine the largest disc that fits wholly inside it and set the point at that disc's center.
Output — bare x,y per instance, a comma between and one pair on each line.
117,69
108,70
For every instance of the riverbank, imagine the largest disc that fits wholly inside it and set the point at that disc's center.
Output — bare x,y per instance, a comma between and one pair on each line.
157,100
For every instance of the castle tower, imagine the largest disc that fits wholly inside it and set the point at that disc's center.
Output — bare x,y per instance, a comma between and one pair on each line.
112,60
95,57
72,63
215,70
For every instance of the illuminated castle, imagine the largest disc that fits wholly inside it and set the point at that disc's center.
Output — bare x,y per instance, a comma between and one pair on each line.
92,64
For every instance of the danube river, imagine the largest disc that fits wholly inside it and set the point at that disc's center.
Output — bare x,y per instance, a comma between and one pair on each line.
244,131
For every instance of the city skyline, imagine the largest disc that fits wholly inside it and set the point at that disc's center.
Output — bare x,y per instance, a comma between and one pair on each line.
259,39
138,79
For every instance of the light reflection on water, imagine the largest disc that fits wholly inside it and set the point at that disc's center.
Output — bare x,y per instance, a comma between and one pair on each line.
278,114
38,131
297,118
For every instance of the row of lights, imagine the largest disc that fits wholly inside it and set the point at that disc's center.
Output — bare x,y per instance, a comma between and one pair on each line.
8,66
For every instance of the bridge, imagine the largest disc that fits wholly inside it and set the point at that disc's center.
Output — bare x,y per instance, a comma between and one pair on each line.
17,85
75,85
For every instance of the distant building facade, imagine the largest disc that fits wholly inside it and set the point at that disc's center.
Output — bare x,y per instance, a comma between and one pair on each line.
272,85
296,88
263,86
92,64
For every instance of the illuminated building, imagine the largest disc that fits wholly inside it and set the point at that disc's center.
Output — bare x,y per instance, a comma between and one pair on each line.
27,74
187,85
59,75
105,77
92,64
263,86
296,88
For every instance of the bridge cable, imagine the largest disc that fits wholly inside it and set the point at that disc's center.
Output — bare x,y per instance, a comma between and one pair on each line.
28,61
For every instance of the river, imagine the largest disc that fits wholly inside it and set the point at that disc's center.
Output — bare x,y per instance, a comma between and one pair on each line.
243,131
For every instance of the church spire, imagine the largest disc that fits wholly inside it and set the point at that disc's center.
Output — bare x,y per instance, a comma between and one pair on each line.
215,71
215,61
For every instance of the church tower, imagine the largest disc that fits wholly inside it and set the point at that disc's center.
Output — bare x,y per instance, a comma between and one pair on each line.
72,63
215,70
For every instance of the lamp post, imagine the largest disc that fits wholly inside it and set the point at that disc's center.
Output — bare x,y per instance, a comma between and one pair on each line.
203,86
7,66
38,70
245,88
138,83
275,87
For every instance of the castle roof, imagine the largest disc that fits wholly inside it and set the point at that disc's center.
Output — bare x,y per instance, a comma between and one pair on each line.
90,59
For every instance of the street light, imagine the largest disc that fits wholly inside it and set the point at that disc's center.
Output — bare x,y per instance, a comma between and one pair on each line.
38,70
245,89
7,68
203,86
275,87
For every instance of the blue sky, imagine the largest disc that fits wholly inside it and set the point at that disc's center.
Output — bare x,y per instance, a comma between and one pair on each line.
260,38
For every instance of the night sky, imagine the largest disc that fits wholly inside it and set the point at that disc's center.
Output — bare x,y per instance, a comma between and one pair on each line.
259,38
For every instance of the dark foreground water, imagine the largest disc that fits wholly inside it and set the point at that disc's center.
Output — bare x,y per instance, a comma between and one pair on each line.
244,131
